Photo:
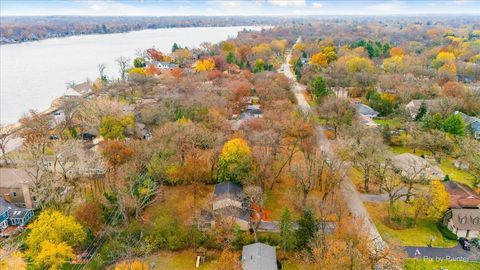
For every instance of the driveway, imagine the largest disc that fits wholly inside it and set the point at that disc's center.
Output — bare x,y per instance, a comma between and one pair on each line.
348,190
447,254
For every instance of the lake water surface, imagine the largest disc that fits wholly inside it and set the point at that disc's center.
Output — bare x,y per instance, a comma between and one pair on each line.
32,74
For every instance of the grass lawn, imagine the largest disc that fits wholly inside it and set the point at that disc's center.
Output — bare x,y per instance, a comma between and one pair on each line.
181,260
394,123
417,236
456,174
433,265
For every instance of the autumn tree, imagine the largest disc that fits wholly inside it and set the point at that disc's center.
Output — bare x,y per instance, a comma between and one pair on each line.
115,127
181,55
116,152
6,135
204,65
52,238
132,265
89,215
439,200
235,161
337,111
319,60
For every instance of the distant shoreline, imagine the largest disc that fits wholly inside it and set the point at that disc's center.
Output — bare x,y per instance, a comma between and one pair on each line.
21,29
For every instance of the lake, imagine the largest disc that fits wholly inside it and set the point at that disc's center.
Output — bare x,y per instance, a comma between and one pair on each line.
32,74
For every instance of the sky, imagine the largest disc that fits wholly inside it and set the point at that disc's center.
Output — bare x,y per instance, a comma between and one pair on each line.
240,8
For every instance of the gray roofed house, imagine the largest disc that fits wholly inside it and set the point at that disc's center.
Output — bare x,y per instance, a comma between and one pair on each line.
252,111
363,109
227,187
259,256
228,202
414,166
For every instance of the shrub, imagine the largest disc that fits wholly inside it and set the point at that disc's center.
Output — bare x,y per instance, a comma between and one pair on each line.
446,232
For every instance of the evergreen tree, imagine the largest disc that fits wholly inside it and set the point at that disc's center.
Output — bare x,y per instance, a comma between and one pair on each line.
455,125
230,58
307,228
421,111
319,88
432,122
286,231
175,47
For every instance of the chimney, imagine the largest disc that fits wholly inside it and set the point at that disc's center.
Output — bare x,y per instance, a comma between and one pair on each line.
7,197
26,195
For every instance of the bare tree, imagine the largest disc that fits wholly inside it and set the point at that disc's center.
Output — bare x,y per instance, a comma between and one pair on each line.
123,65
6,135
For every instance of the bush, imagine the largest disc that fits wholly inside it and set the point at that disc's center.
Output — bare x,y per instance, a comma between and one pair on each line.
167,234
446,232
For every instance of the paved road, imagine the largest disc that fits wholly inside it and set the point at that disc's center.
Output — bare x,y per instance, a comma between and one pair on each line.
350,193
440,254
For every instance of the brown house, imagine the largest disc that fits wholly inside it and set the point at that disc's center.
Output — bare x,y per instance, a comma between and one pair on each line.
15,187
463,217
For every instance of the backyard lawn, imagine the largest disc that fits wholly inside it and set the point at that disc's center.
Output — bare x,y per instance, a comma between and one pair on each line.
434,265
394,123
419,235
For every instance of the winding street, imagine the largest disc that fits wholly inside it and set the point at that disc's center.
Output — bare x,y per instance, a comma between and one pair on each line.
348,190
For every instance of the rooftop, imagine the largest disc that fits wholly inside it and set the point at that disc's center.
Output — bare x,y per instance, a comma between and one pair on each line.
259,256
13,177
461,196
227,187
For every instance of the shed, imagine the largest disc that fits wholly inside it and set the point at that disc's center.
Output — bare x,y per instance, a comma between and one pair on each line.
259,256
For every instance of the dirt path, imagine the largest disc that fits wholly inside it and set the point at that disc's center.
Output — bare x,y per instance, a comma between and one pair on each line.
350,193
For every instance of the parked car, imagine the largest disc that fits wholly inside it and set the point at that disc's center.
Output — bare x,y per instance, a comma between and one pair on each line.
475,242
464,243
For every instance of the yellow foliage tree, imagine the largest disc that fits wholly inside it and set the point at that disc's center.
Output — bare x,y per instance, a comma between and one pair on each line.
393,64
330,53
235,161
359,64
204,65
440,200
53,255
319,60
52,235
228,47
279,45
137,71
181,55
13,260
443,58
132,265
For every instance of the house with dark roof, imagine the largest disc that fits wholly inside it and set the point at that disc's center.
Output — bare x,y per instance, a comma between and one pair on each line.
252,111
228,203
259,256
472,123
365,110
463,217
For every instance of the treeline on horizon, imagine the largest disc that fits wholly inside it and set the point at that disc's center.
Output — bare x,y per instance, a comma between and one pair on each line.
16,29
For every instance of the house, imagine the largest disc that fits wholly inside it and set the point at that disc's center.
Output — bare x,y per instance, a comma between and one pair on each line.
71,93
259,256
463,217
473,124
304,60
84,88
89,135
433,105
252,111
162,65
15,186
363,109
228,202
414,166
14,216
